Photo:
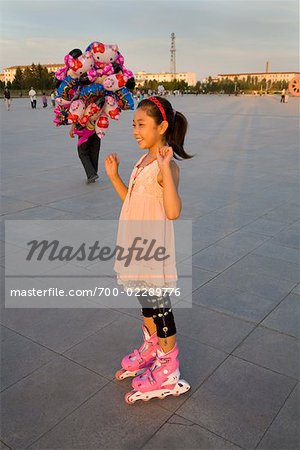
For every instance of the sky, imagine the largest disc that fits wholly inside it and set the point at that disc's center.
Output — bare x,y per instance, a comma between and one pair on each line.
212,36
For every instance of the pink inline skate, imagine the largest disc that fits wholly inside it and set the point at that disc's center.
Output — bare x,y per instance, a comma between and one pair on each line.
160,380
137,362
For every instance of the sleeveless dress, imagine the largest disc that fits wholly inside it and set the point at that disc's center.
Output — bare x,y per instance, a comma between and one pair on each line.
143,219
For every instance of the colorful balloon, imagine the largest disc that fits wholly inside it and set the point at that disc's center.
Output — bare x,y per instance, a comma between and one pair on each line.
92,88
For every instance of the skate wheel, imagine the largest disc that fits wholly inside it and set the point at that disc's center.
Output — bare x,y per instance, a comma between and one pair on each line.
128,399
118,374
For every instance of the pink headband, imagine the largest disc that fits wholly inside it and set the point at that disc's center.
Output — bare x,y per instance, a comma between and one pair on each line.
159,105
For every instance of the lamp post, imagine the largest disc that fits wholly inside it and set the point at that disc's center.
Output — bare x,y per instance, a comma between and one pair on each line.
235,85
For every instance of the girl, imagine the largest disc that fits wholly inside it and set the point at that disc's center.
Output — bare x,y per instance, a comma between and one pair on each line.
153,196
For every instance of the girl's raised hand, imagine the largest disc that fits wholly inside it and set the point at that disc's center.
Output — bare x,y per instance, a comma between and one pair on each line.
164,156
111,164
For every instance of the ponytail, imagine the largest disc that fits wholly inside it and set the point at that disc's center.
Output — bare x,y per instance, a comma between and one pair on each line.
175,135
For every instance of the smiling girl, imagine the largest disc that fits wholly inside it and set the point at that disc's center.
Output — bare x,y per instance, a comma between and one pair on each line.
152,199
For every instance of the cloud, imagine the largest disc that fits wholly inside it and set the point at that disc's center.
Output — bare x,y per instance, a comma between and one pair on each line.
211,36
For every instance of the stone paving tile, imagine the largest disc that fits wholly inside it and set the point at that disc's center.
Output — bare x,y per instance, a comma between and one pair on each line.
9,205
272,267
250,204
256,282
296,289
20,357
217,258
38,212
199,244
228,299
264,226
243,241
5,333
284,432
272,350
197,363
191,278
222,220
206,234
57,329
106,421
273,250
285,318
237,402
3,446
103,351
289,237
211,327
286,213
44,398
180,433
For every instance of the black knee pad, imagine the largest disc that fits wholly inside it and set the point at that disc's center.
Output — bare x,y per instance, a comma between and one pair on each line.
163,318
160,309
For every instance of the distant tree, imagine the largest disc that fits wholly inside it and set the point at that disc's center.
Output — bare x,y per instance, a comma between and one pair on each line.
175,85
151,84
29,80
35,75
18,81
198,86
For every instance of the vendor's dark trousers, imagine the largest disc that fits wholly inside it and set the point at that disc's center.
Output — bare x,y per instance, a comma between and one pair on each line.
88,153
33,104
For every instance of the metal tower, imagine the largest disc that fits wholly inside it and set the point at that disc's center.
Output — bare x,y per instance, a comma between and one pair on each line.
173,56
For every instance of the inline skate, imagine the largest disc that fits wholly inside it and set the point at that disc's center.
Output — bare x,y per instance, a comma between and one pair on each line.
160,380
137,362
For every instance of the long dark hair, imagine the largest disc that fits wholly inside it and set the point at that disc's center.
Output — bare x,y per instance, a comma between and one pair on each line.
177,122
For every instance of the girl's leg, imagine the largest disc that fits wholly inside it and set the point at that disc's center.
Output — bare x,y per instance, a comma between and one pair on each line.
158,316
166,344
150,325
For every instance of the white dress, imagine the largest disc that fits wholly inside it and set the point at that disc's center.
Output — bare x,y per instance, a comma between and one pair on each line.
143,218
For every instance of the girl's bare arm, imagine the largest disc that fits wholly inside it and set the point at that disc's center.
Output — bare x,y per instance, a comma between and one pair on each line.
111,164
171,198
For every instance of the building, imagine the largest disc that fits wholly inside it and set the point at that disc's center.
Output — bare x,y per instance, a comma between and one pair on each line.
10,72
273,77
188,77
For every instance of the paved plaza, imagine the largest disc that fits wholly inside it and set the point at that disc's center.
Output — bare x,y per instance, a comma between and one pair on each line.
239,345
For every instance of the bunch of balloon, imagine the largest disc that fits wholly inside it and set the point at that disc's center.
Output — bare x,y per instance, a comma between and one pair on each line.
92,88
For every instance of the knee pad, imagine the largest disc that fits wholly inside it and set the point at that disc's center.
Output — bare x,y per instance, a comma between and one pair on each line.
160,309
163,317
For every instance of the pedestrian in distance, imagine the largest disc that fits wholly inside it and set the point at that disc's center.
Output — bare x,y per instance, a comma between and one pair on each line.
283,93
44,100
7,98
52,97
32,95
